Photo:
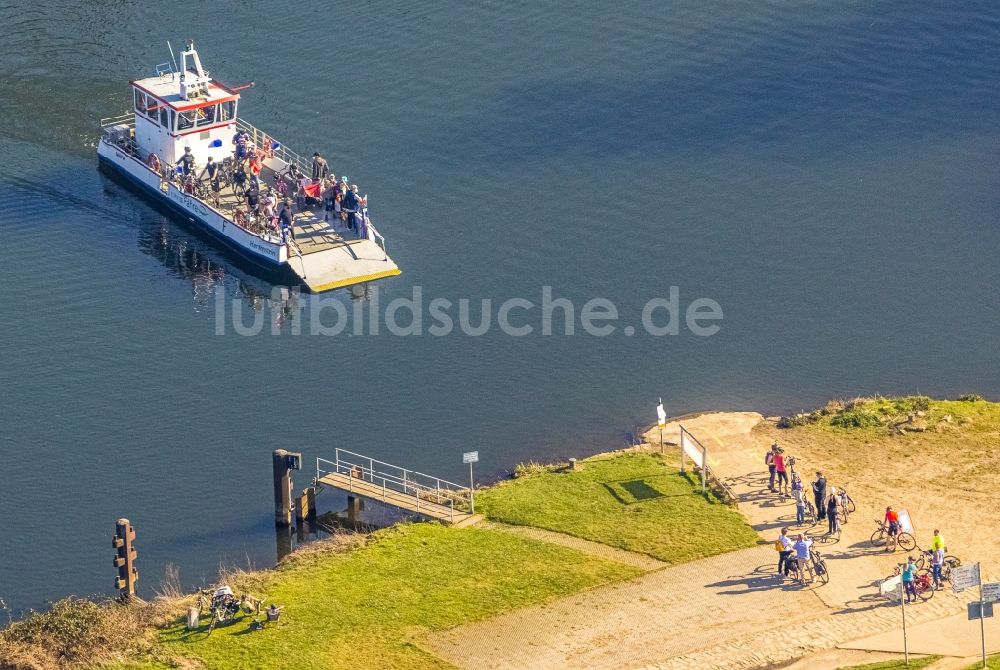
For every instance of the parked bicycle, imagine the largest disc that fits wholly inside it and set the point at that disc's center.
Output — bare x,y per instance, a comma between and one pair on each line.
819,566
815,566
810,512
950,562
221,603
845,504
923,583
903,540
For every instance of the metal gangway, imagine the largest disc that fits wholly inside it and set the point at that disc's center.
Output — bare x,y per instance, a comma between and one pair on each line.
400,487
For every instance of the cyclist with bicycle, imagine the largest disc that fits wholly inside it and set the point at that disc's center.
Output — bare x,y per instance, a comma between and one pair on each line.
781,471
802,546
909,579
769,462
800,502
937,552
892,521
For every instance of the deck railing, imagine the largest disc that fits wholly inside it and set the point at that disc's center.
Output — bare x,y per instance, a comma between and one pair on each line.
258,137
420,487
118,130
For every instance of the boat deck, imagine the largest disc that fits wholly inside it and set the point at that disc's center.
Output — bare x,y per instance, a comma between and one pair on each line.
332,255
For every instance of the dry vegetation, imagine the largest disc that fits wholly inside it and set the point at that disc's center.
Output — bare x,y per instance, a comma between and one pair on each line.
943,465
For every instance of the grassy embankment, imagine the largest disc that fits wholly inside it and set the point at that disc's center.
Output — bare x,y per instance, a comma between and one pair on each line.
633,501
915,664
992,662
370,603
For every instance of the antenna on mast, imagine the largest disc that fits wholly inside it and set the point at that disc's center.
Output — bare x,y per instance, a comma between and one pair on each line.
174,60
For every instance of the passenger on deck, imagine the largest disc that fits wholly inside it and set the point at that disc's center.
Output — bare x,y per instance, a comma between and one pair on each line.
286,219
211,169
239,178
266,148
254,162
241,140
253,200
267,203
330,198
186,162
350,205
320,167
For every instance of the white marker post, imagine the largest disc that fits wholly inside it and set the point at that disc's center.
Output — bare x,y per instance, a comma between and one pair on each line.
661,421
902,605
471,457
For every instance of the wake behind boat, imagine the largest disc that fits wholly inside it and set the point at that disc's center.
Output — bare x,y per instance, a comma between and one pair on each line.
184,144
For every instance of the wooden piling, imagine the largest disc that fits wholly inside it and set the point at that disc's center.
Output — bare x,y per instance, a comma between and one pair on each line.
125,555
305,505
282,488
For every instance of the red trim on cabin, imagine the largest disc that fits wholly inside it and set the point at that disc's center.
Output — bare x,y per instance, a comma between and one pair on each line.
199,105
204,128
179,107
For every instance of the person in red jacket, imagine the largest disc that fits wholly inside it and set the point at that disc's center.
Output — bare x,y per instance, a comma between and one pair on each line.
892,521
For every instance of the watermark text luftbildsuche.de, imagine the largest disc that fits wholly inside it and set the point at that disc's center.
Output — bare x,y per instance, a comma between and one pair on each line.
288,312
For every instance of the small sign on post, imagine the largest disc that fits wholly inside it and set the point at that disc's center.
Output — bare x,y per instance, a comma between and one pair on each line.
991,592
890,585
471,457
980,611
964,577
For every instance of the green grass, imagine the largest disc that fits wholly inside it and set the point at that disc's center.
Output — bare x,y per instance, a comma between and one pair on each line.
632,501
370,606
915,664
992,662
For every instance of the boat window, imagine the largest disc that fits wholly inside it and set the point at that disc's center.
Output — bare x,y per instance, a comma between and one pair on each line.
165,117
140,98
227,110
205,115
152,107
185,120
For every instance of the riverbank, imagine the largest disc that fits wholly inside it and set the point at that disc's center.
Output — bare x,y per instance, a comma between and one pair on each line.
424,595
372,599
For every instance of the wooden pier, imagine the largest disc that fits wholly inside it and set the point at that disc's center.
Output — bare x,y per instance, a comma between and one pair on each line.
359,475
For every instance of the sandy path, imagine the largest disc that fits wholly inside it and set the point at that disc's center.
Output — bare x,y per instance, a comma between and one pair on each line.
722,612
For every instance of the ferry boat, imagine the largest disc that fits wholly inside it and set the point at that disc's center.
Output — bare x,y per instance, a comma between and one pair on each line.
184,108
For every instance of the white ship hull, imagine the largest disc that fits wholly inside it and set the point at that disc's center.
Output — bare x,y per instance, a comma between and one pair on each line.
264,249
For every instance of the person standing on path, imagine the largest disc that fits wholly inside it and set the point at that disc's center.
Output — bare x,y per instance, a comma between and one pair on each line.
832,514
938,542
769,461
781,472
892,522
909,575
819,494
785,552
800,501
801,547
937,565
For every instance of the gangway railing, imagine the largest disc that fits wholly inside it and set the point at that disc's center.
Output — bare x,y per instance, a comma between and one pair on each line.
419,487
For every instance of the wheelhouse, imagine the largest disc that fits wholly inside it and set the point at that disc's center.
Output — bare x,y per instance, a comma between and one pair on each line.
174,110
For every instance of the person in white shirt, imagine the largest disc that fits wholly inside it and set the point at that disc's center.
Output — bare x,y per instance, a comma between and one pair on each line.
784,565
801,547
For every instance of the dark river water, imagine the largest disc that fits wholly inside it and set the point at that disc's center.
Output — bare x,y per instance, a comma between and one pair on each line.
826,174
